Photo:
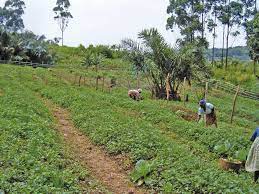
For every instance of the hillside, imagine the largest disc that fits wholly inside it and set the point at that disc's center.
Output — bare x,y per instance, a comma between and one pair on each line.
239,52
151,133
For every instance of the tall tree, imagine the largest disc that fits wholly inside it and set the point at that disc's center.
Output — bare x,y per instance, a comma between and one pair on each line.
11,15
250,7
231,16
190,16
213,24
253,41
135,54
165,64
63,15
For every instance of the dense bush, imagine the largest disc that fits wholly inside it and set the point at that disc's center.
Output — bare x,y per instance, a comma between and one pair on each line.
237,73
26,47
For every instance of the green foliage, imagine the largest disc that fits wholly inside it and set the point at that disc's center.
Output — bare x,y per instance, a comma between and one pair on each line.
253,40
24,46
142,171
188,16
185,162
92,59
239,53
62,15
11,15
161,61
33,159
238,73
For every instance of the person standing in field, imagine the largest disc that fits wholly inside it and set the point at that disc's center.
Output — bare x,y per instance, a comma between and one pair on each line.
252,162
135,94
209,110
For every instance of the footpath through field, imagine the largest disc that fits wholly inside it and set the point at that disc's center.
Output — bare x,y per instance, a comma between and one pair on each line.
100,164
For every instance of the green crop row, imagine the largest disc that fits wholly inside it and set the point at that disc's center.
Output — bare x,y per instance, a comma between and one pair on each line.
136,128
169,165
33,158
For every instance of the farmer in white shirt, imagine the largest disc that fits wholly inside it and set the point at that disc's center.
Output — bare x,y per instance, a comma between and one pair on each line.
209,110
135,94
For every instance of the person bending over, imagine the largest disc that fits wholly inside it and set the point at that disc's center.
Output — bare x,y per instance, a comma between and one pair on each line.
209,110
135,94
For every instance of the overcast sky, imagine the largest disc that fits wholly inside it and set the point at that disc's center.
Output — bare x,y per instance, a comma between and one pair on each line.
104,21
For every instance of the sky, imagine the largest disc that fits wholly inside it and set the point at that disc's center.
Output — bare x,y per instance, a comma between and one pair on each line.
105,21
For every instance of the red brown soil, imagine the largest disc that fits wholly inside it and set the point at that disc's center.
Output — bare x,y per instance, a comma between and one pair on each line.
189,114
105,168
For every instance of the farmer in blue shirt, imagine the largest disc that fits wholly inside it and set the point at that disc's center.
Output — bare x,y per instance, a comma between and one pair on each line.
209,110
252,163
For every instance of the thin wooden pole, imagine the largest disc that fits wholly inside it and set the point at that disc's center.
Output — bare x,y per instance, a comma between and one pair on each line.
234,104
129,86
75,80
79,81
184,81
206,91
103,84
206,98
97,79
168,89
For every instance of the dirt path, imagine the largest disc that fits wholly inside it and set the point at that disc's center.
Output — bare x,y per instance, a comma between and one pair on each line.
101,166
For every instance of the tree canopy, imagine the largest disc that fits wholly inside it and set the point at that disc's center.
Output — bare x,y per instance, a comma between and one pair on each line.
11,15
62,15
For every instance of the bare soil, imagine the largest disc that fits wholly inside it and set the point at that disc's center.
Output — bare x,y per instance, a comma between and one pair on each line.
188,115
109,170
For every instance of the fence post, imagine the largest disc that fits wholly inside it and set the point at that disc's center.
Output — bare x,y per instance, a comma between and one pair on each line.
234,104
97,80
168,89
184,81
103,84
75,79
79,81
206,98
206,91
129,86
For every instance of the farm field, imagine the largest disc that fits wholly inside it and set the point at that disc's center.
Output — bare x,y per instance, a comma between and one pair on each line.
34,158
166,152
105,97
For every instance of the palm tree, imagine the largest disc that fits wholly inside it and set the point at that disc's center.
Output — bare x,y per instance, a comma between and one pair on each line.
135,55
164,64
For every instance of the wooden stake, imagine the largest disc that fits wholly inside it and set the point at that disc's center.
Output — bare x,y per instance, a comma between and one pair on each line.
103,84
75,80
206,97
206,91
79,81
168,89
97,80
184,81
129,87
234,104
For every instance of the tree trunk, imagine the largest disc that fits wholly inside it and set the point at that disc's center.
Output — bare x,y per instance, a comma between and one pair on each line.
62,31
223,46
214,39
254,67
202,18
62,38
226,65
